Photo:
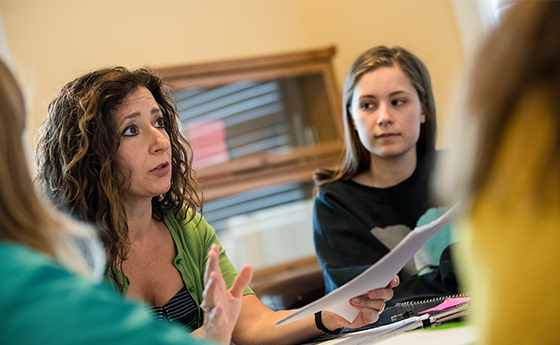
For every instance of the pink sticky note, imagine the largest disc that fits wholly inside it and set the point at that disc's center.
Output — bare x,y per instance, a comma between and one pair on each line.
448,303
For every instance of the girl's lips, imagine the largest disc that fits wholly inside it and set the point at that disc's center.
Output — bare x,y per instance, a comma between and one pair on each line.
386,135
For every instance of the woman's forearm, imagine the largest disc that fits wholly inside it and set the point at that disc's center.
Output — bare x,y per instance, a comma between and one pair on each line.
256,322
256,325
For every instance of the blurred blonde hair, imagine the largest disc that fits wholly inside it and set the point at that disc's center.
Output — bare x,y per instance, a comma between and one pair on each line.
25,218
521,55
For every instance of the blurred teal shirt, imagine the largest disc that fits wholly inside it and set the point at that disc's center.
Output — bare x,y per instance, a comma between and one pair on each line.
43,303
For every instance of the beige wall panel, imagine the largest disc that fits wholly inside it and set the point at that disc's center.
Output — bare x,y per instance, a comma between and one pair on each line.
54,41
426,28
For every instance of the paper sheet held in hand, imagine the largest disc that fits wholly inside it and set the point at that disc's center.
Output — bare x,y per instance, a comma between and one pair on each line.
377,276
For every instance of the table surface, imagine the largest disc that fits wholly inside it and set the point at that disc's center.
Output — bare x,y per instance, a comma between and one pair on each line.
463,335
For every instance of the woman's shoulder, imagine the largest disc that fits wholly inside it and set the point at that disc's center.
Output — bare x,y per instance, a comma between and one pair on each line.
187,222
184,216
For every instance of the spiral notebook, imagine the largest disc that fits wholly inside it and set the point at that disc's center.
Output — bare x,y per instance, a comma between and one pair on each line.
415,317
407,309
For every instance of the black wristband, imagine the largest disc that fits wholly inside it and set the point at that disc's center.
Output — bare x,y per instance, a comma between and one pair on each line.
321,327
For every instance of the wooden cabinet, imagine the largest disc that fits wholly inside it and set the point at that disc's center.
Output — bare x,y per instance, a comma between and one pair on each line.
300,128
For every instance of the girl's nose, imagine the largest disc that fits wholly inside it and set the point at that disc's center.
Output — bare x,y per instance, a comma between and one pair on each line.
384,115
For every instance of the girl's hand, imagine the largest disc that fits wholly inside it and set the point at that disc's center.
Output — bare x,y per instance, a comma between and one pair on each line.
370,306
221,306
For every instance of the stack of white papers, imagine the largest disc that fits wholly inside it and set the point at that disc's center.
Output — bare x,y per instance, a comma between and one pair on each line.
375,334
377,276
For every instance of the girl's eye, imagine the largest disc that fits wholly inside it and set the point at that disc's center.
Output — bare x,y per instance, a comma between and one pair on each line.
398,102
160,123
365,106
130,131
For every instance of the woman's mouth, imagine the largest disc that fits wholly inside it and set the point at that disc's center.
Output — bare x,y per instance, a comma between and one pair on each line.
161,169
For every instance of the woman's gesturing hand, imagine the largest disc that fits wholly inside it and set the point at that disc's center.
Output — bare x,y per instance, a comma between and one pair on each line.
221,306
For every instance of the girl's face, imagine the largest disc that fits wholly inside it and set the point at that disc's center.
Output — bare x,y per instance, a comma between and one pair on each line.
144,153
387,113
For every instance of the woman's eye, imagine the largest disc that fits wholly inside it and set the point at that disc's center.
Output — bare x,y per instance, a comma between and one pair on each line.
160,123
130,131
398,102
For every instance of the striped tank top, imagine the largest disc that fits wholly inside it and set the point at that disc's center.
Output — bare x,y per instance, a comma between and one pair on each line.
180,308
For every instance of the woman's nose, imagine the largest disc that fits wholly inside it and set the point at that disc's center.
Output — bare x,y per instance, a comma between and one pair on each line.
160,140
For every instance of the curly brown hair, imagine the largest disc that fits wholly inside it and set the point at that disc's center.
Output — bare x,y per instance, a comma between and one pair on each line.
76,155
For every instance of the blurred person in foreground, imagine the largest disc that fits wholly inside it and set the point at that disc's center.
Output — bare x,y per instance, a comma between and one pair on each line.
508,177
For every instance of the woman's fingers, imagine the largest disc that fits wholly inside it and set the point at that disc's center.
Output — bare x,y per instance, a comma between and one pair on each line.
222,306
241,281
216,326
211,291
215,289
213,262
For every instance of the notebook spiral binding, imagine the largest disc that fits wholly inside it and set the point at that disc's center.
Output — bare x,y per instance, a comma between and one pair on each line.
421,305
438,299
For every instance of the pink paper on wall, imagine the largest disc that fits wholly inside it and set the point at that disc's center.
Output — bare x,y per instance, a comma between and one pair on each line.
208,140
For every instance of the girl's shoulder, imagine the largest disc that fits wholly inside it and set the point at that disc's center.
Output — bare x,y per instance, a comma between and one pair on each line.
342,190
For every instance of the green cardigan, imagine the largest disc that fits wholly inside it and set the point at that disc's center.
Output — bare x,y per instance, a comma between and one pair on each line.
193,241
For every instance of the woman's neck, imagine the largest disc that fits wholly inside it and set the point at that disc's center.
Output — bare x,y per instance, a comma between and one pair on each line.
139,219
387,172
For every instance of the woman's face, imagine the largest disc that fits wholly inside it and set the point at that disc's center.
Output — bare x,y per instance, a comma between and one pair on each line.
387,113
144,153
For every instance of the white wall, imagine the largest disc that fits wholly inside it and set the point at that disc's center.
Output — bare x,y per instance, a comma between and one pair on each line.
4,50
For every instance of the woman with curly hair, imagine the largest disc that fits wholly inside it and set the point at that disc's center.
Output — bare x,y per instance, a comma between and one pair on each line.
52,267
111,154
